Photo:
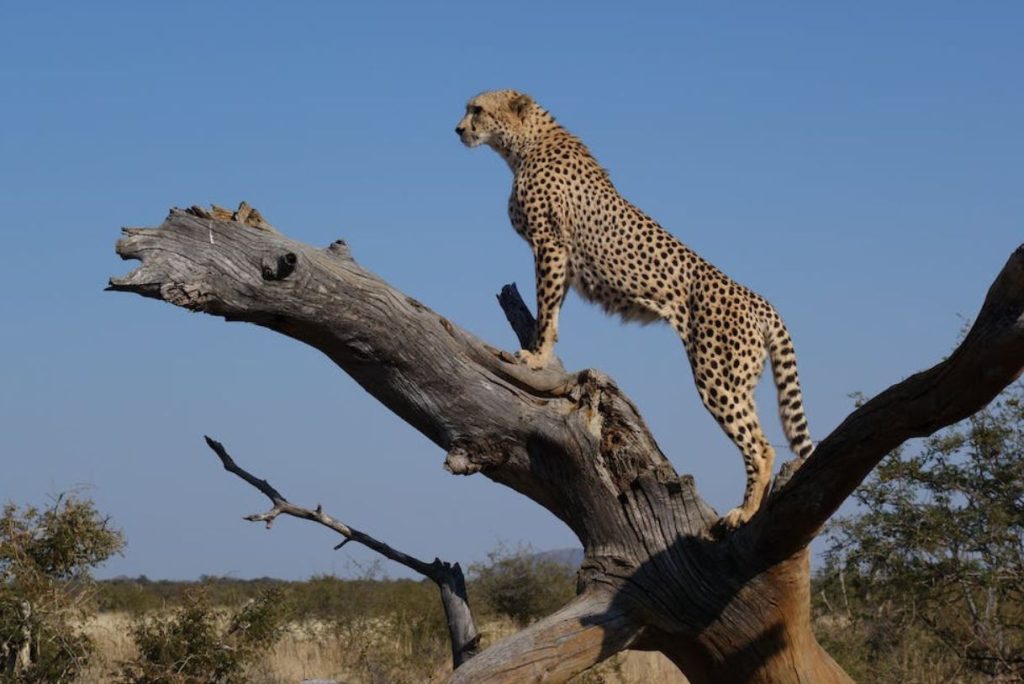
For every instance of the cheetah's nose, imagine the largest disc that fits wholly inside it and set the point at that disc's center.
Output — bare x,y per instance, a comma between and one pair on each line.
459,130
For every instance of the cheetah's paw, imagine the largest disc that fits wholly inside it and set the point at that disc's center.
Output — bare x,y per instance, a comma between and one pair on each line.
734,518
533,360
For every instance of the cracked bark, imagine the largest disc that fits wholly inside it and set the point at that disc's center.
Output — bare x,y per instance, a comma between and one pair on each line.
732,608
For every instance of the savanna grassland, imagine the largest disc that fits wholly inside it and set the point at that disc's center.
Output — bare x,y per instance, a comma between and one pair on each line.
369,630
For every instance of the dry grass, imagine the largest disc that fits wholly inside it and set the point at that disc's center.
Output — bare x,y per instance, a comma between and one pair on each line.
112,634
360,652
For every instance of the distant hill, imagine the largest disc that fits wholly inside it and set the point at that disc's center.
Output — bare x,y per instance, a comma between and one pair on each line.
570,558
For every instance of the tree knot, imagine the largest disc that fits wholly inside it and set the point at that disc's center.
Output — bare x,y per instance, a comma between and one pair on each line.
279,268
466,459
339,248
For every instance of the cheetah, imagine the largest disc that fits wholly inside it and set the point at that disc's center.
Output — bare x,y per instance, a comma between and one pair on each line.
583,233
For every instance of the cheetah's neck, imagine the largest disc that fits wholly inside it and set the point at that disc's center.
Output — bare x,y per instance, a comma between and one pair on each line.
539,131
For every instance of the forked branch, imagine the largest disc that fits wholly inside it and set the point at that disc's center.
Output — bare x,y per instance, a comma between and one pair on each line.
988,359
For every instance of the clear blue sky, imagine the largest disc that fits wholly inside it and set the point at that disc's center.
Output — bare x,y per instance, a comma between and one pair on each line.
860,164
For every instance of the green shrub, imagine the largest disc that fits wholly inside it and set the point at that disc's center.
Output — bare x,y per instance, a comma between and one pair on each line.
195,645
394,631
46,587
520,585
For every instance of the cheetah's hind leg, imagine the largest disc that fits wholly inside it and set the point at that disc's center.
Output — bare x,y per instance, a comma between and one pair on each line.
758,457
736,413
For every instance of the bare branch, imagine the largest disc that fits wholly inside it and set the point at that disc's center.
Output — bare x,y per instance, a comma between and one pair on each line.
447,576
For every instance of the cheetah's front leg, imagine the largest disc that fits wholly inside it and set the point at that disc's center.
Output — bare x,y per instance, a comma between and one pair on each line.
551,265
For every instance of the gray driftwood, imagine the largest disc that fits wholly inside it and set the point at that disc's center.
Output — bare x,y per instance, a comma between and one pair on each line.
734,608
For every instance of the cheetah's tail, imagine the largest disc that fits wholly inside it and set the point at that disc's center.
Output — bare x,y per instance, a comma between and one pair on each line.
787,382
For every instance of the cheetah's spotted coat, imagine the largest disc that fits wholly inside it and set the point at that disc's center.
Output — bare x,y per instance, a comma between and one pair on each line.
584,234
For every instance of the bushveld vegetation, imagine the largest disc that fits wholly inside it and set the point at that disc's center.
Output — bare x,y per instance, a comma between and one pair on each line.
926,582
46,590
923,584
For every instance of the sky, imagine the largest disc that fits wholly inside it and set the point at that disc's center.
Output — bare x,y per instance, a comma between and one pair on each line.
859,164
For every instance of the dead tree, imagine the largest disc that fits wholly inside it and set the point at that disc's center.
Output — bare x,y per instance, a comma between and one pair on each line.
732,608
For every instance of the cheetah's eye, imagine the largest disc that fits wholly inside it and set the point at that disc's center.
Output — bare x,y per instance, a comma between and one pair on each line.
475,109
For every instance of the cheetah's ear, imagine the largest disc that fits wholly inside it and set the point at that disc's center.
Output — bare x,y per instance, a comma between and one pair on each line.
520,105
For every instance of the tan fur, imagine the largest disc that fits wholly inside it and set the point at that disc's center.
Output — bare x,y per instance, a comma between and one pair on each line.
584,234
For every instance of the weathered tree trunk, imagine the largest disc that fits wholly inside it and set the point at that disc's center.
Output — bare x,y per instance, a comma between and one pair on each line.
732,608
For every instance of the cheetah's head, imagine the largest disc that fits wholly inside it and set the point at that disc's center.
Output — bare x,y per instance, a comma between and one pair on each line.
494,118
